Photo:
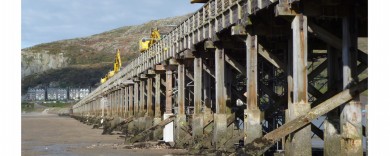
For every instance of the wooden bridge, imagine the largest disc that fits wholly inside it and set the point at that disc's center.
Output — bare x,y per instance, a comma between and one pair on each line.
245,76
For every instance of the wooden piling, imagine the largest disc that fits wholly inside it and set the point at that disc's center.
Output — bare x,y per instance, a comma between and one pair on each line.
299,143
157,134
252,114
197,119
220,118
168,129
351,116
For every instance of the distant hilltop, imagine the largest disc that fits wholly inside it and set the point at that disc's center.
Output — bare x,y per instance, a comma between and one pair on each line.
83,61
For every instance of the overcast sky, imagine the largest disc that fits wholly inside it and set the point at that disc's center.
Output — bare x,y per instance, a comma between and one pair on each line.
51,20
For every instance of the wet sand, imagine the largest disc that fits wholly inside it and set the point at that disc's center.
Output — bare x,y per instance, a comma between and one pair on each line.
49,134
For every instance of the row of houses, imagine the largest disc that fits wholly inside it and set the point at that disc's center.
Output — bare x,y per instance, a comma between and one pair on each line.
56,94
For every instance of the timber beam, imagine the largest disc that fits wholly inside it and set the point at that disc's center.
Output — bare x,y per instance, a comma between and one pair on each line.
233,63
147,132
260,145
271,58
333,40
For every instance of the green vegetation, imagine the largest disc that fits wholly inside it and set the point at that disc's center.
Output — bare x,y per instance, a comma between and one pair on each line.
68,77
57,104
27,107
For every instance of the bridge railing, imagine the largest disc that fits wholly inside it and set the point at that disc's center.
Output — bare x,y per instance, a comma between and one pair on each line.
212,17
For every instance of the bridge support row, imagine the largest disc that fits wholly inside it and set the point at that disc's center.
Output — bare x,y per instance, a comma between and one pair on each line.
248,86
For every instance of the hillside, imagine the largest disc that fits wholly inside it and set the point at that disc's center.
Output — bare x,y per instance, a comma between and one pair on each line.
81,62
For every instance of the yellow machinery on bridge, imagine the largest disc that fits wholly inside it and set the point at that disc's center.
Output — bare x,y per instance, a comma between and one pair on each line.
145,43
117,67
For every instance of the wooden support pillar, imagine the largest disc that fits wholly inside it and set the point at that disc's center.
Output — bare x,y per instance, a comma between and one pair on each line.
207,91
157,134
131,101
142,98
260,145
142,103
111,103
197,119
149,116
103,105
351,116
123,106
169,91
116,102
126,102
252,114
168,129
331,124
136,101
299,143
220,117
149,106
181,89
180,120
157,97
197,85
121,102
208,116
112,111
133,107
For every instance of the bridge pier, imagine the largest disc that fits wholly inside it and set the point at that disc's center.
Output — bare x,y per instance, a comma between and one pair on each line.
180,121
197,118
252,114
157,134
220,118
149,116
168,129
298,143
351,115
133,126
277,81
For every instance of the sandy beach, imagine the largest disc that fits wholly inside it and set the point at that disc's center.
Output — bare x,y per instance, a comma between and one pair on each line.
49,134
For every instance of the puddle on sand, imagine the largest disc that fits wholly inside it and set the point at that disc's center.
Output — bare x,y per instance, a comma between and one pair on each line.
58,149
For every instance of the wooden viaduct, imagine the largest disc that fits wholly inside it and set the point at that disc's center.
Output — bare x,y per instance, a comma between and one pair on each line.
245,70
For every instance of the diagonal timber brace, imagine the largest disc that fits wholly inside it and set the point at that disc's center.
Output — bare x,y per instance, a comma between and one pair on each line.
150,130
233,63
318,70
333,40
261,145
271,58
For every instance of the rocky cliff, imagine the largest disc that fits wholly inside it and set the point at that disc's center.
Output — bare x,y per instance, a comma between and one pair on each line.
93,53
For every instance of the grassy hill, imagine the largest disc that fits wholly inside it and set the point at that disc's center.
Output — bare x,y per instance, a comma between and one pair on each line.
81,62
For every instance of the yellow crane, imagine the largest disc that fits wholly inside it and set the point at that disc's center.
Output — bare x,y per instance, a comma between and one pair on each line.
145,43
117,67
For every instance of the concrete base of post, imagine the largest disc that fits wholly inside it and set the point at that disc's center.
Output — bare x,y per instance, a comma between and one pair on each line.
298,143
168,130
220,130
158,133
205,141
110,125
197,128
131,128
148,122
180,134
331,139
252,125
137,128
